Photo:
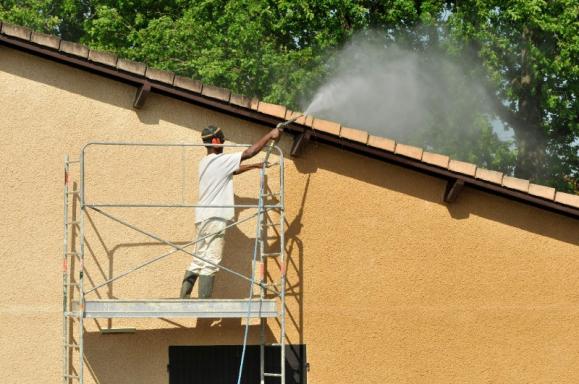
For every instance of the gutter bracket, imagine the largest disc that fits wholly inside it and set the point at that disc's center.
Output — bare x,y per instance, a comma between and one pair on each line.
299,141
453,189
141,95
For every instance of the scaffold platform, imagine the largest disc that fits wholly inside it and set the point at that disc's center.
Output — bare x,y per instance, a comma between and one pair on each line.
171,308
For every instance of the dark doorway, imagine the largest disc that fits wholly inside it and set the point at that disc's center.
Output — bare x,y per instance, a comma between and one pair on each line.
219,364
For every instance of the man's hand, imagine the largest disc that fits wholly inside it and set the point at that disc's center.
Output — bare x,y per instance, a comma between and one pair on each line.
275,133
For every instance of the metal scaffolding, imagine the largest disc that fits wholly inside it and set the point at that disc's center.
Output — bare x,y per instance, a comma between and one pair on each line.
261,303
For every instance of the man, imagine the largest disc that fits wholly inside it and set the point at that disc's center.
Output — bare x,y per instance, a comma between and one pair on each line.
216,172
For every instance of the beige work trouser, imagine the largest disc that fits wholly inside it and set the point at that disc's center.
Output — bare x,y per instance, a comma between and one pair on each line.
211,248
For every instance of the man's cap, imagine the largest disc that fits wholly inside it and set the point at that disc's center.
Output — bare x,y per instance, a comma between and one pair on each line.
210,132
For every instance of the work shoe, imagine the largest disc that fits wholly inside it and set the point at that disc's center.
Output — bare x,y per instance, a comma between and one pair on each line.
187,285
206,286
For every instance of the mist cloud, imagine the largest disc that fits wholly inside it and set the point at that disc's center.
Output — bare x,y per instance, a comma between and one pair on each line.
416,98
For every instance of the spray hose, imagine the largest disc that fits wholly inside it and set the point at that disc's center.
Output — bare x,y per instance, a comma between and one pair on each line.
280,126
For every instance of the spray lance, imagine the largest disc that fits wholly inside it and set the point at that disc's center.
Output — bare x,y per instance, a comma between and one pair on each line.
281,127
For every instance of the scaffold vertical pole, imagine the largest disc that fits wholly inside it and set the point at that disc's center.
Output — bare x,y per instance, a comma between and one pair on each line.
282,267
81,274
65,281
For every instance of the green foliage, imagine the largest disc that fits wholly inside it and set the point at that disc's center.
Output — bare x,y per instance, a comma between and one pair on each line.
280,50
529,51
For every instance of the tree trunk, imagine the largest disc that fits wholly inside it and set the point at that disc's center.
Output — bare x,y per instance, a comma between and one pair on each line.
529,133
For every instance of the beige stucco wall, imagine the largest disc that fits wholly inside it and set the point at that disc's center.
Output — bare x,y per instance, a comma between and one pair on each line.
387,283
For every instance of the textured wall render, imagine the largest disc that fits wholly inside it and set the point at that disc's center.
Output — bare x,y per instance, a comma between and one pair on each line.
387,283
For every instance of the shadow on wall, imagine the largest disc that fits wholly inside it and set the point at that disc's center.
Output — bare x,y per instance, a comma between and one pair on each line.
142,357
91,86
431,189
238,251
394,178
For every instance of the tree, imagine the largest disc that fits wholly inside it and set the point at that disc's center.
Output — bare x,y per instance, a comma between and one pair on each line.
529,51
281,50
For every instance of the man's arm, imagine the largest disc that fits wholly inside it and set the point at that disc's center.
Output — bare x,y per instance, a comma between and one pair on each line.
247,167
259,144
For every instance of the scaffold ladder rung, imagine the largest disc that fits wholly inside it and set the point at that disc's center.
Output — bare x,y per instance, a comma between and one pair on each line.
267,374
272,254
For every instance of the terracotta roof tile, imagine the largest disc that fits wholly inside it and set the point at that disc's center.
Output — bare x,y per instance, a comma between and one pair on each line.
16,31
131,66
327,126
45,40
303,120
74,49
279,111
188,84
490,176
160,75
105,58
272,109
515,183
216,92
542,191
289,114
354,135
240,100
462,167
436,159
567,199
409,151
381,143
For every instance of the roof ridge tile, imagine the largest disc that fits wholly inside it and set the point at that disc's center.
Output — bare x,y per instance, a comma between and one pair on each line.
216,92
134,67
409,151
17,31
272,109
567,199
106,58
49,41
354,134
436,159
188,84
516,183
159,75
489,175
381,143
74,49
463,167
327,126
547,193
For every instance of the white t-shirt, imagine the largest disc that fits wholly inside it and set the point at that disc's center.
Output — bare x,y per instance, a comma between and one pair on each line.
216,185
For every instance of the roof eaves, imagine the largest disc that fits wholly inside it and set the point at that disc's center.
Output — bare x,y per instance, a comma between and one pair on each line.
223,100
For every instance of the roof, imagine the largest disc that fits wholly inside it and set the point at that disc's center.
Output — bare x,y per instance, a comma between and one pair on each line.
149,79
